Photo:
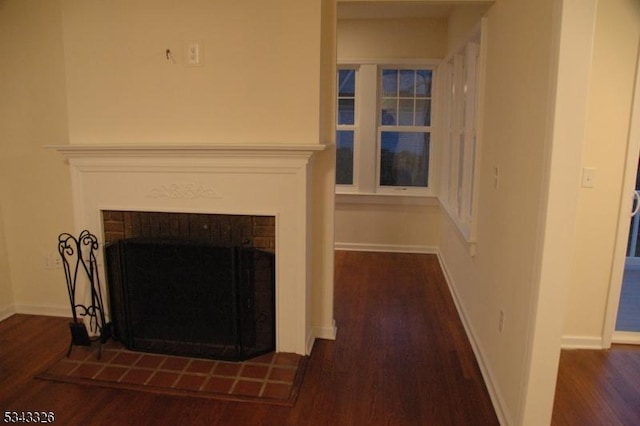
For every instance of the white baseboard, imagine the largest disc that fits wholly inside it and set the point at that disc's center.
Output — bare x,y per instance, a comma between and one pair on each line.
626,337
389,248
6,312
487,375
328,333
311,340
581,342
51,311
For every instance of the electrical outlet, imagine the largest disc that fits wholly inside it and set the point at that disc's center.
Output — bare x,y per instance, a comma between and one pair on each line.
193,53
501,321
52,261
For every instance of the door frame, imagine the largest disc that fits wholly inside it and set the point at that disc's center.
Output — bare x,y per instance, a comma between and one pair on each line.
610,335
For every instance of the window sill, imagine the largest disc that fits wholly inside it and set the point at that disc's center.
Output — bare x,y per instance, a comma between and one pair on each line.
464,232
389,199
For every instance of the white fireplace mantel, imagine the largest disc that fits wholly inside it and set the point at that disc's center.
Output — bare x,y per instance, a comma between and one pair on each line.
173,150
254,179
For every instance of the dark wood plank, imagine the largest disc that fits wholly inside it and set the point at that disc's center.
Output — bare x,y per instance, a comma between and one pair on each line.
401,358
598,387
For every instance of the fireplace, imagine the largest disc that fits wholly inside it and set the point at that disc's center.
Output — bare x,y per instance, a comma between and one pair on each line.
256,180
191,284
184,296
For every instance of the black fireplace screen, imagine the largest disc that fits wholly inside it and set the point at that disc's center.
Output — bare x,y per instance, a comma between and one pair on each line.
186,297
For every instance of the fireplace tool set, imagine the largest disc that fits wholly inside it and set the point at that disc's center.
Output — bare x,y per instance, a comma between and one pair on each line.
80,266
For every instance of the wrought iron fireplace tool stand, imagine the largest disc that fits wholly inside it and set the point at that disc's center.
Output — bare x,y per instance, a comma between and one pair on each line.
79,263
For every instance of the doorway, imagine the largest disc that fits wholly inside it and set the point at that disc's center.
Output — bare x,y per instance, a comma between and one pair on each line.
622,324
628,317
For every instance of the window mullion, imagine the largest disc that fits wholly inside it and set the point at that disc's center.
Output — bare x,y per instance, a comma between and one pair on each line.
367,172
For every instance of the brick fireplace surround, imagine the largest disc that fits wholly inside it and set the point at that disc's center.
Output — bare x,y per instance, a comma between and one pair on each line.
218,229
255,180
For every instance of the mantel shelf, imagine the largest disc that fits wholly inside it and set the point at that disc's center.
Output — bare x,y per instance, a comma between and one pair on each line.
188,150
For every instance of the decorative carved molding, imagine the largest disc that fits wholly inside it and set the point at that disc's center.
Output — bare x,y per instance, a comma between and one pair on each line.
183,191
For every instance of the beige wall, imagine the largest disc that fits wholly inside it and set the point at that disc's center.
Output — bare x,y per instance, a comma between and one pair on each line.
462,21
392,38
398,225
89,72
107,60
259,82
504,274
617,33
34,183
545,246
6,292
378,226
324,181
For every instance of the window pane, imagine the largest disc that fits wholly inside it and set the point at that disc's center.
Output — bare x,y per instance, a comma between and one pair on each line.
344,157
404,159
346,111
406,97
407,83
389,112
389,83
346,83
423,83
405,113
346,97
423,112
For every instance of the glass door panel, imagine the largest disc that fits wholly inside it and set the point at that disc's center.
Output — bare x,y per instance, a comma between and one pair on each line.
628,318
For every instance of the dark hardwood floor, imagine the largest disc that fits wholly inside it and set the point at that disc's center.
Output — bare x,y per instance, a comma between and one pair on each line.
598,387
401,358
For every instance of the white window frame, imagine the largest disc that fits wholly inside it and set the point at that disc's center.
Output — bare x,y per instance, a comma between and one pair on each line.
459,121
406,190
352,127
366,168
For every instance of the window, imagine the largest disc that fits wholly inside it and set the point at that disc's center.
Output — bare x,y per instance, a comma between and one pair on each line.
345,132
459,137
405,120
383,133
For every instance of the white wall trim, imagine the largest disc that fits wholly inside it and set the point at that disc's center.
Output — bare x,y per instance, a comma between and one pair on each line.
390,248
311,340
494,392
344,62
50,311
626,337
343,198
328,333
582,342
6,312
230,179
622,231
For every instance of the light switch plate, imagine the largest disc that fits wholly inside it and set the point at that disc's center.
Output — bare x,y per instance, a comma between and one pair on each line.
588,177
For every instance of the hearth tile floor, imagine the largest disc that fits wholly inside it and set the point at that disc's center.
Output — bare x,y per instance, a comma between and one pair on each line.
273,377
